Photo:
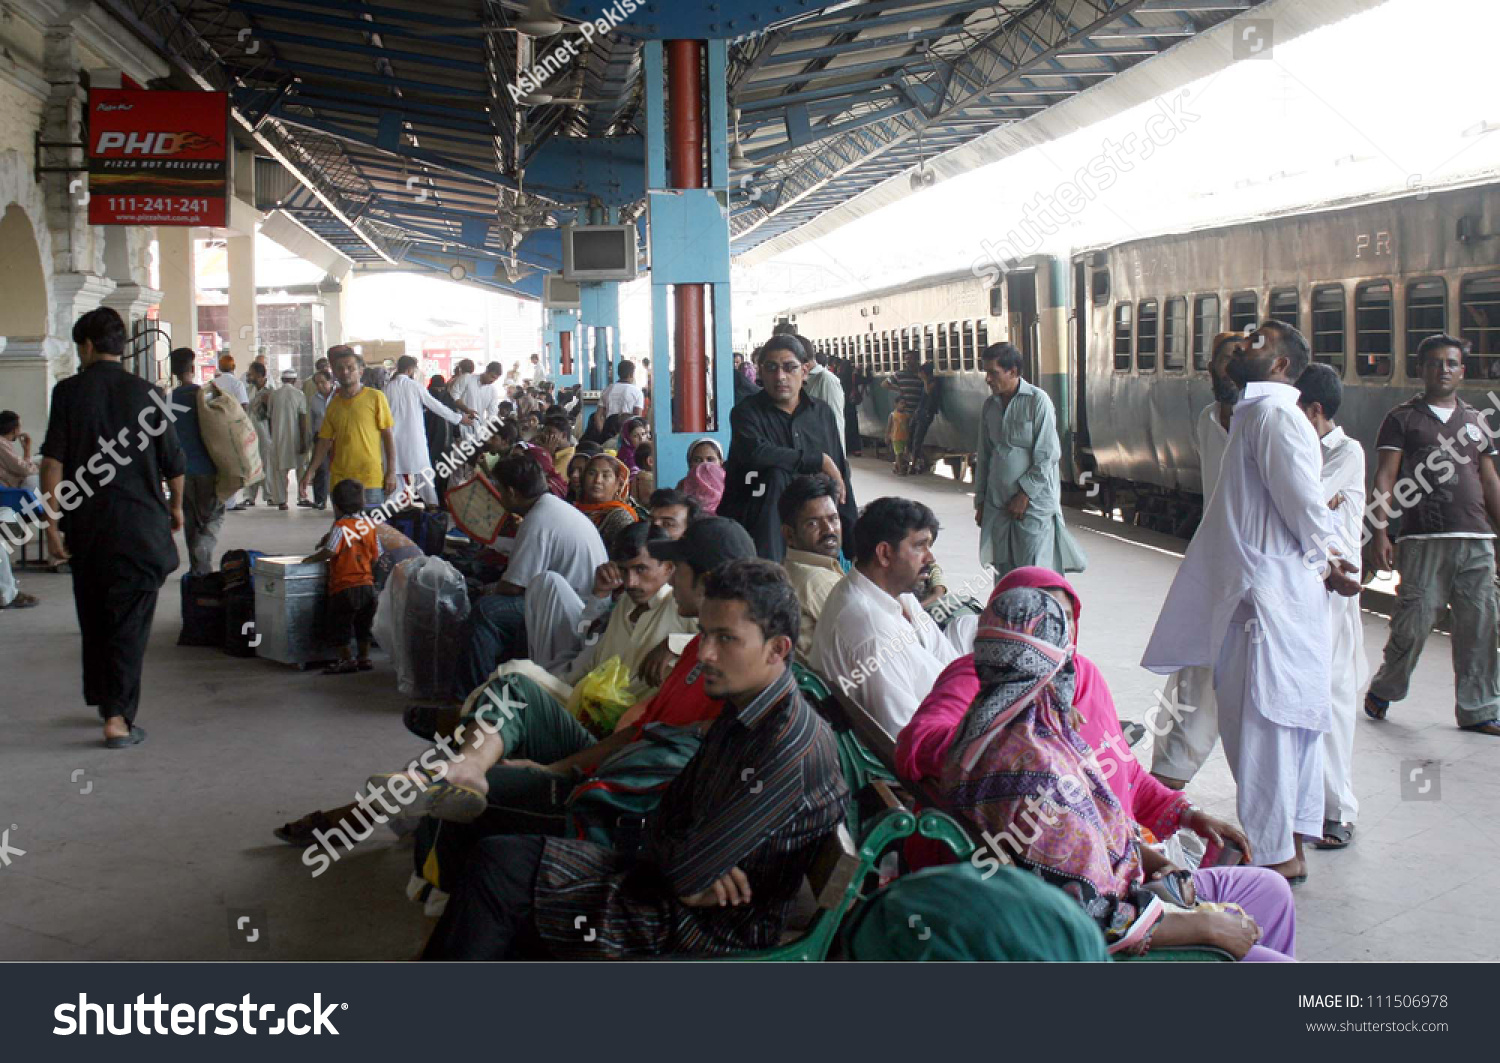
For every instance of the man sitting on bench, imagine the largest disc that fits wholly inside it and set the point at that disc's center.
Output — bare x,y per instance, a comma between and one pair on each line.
875,642
729,845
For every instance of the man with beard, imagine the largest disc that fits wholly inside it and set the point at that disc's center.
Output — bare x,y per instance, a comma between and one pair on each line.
1250,599
1193,724
814,537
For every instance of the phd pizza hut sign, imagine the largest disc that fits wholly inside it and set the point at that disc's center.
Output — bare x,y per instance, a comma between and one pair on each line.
158,158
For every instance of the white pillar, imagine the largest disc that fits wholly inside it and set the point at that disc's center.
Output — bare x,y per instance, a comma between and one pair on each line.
335,311
244,341
178,260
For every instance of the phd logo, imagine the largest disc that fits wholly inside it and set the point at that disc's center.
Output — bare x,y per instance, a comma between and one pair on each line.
1421,780
1252,38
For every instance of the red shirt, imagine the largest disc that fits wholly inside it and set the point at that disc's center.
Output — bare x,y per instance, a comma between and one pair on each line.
681,701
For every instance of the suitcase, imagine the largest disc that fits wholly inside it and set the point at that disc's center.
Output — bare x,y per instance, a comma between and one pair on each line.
240,638
428,528
202,610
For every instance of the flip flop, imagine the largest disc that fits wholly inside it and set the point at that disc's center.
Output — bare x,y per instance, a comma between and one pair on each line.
1375,708
1296,880
134,738
342,668
1488,727
300,832
22,601
1342,833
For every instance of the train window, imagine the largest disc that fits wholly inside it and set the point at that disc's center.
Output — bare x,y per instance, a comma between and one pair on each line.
1284,308
943,365
1101,286
1373,329
1145,336
1122,337
1426,315
954,348
929,346
1205,328
1174,335
968,340
1479,315
983,333
1243,311
1328,326
997,300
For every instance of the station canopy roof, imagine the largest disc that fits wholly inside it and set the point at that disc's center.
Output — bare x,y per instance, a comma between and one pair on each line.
403,134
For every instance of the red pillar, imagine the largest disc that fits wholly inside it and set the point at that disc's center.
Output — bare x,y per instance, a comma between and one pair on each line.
565,351
685,100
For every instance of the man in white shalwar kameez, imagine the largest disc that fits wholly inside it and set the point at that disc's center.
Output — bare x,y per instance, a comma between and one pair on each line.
1186,736
1250,599
1017,497
1344,488
280,416
407,399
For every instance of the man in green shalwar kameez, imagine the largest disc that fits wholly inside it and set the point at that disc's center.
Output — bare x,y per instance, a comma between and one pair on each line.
1017,500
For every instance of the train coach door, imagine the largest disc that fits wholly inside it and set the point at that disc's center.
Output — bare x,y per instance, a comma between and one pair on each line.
1020,300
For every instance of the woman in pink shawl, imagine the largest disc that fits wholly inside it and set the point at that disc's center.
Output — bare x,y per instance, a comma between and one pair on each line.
704,482
925,743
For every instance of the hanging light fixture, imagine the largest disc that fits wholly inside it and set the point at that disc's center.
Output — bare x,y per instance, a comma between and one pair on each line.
738,160
539,21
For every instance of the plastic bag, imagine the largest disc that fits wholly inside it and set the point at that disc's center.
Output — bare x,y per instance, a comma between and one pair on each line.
601,697
419,618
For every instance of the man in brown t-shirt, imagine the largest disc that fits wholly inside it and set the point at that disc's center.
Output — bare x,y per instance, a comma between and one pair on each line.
1436,460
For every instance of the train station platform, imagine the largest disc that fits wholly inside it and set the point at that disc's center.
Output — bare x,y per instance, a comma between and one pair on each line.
150,853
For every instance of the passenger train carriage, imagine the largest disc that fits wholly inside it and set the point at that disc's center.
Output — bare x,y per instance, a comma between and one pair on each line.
1122,347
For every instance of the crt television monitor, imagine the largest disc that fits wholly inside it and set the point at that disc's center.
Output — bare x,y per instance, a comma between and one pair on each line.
559,294
598,252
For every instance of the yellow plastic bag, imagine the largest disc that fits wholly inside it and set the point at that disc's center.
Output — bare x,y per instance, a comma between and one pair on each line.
601,697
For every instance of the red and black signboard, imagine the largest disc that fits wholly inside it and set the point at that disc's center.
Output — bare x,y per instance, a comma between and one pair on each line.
158,158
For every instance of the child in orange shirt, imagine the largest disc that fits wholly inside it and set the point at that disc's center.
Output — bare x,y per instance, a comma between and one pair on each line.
351,549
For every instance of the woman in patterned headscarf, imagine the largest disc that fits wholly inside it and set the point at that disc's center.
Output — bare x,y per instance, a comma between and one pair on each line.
606,486
1020,770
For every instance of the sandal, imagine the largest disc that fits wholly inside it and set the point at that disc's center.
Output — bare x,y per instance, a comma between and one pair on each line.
22,601
302,832
1375,708
1336,835
1488,727
342,668
125,741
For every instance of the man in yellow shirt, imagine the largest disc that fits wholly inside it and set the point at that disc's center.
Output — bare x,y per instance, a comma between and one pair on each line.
357,427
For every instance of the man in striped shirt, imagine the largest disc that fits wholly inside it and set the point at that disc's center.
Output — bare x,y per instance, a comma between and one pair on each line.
726,850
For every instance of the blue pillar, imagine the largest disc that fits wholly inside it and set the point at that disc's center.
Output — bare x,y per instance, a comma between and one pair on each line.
599,340
556,322
689,237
